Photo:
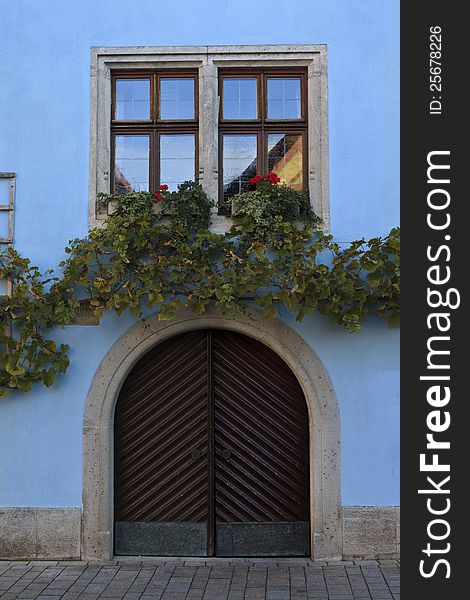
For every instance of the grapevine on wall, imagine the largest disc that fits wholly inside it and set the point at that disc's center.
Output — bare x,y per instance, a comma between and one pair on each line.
156,251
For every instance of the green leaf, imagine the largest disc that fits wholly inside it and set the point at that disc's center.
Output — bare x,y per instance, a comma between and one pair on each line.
14,369
24,384
155,298
166,312
270,312
50,347
48,377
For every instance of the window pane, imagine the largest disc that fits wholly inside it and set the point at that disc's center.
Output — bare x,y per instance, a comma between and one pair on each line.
176,98
131,168
284,98
240,98
285,158
132,99
177,159
239,162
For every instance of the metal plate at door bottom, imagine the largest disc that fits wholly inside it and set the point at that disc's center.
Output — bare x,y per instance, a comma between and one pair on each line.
160,539
263,539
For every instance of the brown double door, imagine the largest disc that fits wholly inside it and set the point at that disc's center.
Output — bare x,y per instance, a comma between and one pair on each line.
211,452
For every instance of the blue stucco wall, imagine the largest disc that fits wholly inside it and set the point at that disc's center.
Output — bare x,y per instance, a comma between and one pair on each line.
44,138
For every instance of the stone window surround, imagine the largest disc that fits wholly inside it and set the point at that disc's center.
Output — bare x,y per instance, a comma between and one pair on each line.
208,59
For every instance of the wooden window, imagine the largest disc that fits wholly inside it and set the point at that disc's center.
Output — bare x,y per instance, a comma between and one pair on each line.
262,127
154,129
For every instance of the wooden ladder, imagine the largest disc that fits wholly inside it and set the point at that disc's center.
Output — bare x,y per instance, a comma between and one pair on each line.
10,209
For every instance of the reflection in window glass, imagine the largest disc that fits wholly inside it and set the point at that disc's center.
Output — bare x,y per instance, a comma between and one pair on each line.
239,162
284,98
132,99
240,98
131,163
176,98
285,158
177,159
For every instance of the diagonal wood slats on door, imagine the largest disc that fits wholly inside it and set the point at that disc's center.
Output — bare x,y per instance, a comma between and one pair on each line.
211,451
261,435
161,417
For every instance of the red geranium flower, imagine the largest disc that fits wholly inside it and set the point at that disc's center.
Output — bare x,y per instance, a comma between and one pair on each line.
272,177
255,179
163,187
158,196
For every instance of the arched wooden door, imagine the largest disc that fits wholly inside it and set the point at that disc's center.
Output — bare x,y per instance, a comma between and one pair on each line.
211,451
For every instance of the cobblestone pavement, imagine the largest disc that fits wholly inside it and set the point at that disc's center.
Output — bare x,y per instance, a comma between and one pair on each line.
200,579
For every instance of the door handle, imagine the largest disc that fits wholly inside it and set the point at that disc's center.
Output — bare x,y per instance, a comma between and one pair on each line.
226,453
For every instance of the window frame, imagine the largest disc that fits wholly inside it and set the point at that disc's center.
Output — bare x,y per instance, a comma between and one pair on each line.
207,60
262,126
133,132
262,74
131,75
221,208
154,127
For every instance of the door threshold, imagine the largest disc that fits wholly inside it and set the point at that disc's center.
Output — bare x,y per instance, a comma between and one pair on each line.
213,559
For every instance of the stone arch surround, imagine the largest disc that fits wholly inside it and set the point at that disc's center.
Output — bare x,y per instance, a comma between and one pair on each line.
324,423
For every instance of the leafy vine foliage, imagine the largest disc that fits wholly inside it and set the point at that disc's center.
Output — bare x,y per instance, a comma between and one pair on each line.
156,251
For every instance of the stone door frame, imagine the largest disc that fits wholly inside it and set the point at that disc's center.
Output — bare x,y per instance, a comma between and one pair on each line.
324,424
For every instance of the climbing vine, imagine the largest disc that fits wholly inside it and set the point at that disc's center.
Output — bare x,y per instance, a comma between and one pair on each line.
156,252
